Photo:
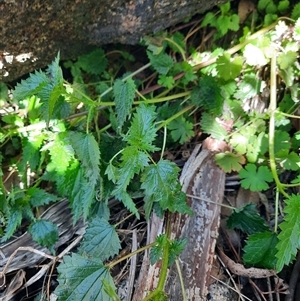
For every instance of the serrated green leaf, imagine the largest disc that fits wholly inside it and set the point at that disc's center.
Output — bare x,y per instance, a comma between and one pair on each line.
112,173
160,183
230,162
142,131
126,199
87,150
100,240
31,86
133,162
255,178
31,151
61,152
156,252
94,62
14,221
124,93
210,126
181,129
260,250
81,279
162,62
229,68
176,247
247,220
207,95
80,192
44,232
39,197
289,237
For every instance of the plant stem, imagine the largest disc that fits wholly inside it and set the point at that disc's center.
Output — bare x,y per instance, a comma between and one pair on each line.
164,264
272,109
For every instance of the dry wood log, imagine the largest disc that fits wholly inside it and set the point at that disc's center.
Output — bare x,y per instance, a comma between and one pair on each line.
203,179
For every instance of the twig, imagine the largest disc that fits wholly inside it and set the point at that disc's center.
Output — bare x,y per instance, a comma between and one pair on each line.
293,280
132,266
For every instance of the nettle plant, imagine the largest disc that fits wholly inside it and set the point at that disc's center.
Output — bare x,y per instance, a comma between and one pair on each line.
97,138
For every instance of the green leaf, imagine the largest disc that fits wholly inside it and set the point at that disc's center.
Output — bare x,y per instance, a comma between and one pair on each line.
75,186
176,247
234,23
94,62
286,60
296,12
249,87
229,161
81,279
247,220
133,162
160,183
142,131
87,150
283,5
166,81
100,240
157,251
44,232
13,222
262,4
289,237
223,23
181,129
207,94
282,141
255,178
210,126
260,250
124,93
126,199
61,152
229,68
209,19
31,151
289,160
39,197
162,62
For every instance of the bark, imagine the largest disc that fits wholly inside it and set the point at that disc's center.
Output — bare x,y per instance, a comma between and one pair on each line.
33,31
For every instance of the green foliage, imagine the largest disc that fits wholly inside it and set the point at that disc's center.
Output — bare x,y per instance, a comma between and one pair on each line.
181,129
83,279
124,94
289,236
100,240
44,232
256,179
56,130
207,95
247,220
261,249
223,23
229,162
